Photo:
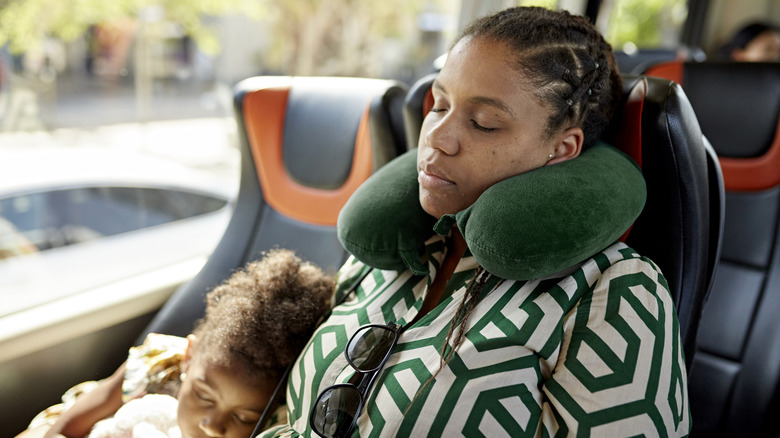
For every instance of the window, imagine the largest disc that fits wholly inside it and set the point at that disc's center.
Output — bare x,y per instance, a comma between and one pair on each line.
32,220
58,218
633,24
161,206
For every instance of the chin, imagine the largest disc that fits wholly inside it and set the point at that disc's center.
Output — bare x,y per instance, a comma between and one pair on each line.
428,208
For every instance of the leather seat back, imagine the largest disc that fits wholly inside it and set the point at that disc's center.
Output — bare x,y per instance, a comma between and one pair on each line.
736,375
306,144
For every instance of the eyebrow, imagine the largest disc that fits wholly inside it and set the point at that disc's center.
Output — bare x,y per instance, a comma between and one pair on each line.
484,100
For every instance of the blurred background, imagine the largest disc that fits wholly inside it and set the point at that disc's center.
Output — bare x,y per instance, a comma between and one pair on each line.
90,63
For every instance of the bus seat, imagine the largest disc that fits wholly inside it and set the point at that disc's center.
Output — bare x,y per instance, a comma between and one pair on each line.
637,61
735,381
679,228
306,144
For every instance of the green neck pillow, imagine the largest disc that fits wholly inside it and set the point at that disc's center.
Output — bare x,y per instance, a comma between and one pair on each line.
524,227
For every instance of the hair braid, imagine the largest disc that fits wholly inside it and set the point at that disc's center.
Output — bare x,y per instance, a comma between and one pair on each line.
459,322
464,310
570,66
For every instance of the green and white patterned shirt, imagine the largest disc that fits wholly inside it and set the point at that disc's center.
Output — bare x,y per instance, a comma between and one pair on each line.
594,351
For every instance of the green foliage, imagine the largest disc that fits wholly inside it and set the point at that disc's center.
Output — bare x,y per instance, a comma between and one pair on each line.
26,23
549,4
338,37
645,22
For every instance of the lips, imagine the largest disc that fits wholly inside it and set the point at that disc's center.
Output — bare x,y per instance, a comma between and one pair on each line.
431,177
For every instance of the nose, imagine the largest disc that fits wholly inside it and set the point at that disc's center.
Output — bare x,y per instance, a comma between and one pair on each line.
440,133
213,425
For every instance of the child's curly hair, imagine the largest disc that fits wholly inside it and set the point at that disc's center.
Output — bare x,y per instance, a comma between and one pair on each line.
263,315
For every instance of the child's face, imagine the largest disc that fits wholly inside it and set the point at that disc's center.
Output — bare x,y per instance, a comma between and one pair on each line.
217,401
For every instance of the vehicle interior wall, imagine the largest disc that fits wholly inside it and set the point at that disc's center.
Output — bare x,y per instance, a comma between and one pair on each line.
33,382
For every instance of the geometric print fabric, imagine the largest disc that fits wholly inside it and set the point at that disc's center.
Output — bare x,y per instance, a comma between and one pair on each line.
594,351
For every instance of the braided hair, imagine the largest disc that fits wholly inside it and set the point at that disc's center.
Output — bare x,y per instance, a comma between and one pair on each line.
570,66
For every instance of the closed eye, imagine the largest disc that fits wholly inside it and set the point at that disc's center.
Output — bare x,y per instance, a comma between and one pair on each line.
202,397
481,128
245,419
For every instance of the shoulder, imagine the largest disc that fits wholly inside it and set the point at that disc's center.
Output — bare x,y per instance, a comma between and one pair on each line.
621,342
352,272
625,269
620,261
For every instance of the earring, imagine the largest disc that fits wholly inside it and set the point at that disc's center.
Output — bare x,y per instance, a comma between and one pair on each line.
549,156
182,376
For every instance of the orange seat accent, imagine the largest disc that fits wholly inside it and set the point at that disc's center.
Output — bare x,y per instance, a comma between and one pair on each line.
750,174
629,137
739,174
264,113
672,70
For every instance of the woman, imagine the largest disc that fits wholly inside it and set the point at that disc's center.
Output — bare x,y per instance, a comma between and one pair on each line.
754,42
449,346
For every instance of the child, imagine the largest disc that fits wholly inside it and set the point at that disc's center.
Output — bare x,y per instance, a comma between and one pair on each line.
225,372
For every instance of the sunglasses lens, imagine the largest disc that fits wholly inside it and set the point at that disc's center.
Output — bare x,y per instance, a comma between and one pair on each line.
335,411
368,347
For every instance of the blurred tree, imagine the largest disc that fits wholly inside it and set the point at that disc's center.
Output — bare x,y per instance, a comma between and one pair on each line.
24,24
308,37
646,23
340,37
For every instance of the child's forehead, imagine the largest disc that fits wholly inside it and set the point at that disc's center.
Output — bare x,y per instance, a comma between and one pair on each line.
228,362
221,371
231,387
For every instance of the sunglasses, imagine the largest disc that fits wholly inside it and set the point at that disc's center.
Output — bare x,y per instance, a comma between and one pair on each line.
337,408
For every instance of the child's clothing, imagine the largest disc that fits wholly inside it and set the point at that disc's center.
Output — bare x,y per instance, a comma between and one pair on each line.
150,416
153,367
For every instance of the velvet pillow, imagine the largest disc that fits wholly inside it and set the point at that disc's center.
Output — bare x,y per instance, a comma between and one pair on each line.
529,226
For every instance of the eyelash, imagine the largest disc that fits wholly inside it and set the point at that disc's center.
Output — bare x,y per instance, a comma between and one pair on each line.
476,125
243,421
201,397
481,128
237,417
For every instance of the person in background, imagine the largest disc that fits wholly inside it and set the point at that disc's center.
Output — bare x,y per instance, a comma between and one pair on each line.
754,42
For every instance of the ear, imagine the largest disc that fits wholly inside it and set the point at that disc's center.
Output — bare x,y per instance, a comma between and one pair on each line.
568,145
192,341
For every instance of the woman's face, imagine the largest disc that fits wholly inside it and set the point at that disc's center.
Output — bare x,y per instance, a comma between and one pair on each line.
485,126
217,401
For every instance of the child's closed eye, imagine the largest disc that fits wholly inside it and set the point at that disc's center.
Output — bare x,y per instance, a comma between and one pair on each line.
246,418
203,397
